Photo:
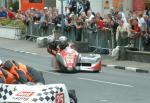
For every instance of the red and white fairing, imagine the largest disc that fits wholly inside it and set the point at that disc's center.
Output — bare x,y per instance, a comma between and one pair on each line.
70,60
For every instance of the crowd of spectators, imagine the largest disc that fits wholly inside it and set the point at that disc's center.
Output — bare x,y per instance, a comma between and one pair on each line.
130,28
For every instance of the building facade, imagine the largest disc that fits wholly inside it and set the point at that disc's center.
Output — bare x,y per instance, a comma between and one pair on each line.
104,6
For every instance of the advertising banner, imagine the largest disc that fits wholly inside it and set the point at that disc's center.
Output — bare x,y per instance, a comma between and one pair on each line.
20,93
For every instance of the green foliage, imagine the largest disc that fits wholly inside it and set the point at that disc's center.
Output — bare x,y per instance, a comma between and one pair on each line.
13,23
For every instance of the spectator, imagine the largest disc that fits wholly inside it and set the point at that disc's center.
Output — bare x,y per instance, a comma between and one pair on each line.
148,12
36,18
100,23
135,31
90,16
56,19
67,11
11,14
122,16
142,24
44,19
148,25
98,15
73,6
122,34
19,15
80,8
3,13
86,6
92,26
79,29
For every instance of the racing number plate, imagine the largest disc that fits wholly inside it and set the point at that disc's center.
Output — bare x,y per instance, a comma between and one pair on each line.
60,98
69,58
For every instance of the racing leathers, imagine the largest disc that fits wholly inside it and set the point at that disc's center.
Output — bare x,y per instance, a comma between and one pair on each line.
12,68
31,74
53,47
7,77
23,73
56,46
2,77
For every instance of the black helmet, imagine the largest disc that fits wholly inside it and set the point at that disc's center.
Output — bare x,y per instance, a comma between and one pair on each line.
63,42
8,65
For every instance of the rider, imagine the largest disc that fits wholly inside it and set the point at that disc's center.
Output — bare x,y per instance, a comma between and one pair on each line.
2,77
7,77
56,44
23,72
32,75
12,68
52,45
63,42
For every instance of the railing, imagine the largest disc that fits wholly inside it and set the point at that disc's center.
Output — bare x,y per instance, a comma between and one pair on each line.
104,39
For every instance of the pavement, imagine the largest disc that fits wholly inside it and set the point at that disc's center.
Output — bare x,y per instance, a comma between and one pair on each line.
25,46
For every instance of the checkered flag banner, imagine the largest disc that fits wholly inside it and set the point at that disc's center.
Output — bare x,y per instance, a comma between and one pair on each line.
21,93
49,95
6,91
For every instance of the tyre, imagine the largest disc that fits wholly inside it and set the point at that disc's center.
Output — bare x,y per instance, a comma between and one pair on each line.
72,96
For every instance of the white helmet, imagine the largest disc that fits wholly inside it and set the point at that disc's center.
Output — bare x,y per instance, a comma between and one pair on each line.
50,39
62,39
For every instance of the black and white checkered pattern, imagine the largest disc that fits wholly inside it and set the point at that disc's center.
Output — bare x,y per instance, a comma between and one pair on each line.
47,95
6,91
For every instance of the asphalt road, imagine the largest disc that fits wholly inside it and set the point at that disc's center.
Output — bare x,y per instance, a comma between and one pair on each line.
109,86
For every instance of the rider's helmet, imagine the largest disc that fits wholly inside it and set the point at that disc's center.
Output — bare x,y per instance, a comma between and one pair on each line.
63,42
51,42
50,39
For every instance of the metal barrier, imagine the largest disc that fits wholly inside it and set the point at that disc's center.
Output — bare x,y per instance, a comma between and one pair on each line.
103,39
99,39
34,30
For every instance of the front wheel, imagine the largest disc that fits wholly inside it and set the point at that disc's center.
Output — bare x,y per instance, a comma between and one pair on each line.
72,96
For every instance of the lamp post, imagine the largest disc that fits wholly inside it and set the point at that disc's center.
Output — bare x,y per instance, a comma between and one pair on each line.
62,21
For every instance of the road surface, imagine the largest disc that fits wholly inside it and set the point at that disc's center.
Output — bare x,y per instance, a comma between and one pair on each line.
109,86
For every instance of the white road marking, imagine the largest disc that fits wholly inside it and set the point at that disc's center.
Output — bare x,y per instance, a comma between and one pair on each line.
50,72
111,65
26,52
105,82
104,100
131,68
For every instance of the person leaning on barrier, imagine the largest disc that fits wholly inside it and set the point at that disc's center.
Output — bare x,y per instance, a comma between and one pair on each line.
122,34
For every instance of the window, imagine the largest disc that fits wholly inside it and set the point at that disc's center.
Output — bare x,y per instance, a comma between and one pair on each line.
35,1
